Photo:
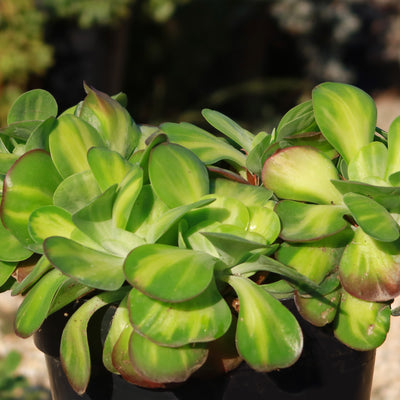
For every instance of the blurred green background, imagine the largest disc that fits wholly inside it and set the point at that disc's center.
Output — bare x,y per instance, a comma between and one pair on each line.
251,59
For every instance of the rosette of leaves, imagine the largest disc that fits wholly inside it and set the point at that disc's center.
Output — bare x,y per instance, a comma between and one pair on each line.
339,210
95,206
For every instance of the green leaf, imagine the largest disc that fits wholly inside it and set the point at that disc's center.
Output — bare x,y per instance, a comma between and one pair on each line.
204,318
268,336
255,159
108,167
207,147
20,130
36,104
319,311
11,248
119,323
249,195
39,269
6,270
165,364
36,305
265,222
297,120
373,218
127,194
6,162
69,143
361,325
346,116
76,191
111,120
177,176
229,128
29,184
370,269
369,162
301,173
39,138
166,272
74,347
96,221
89,267
393,162
302,222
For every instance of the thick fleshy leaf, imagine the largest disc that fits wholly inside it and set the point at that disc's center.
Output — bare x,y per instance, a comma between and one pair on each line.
20,130
6,162
39,269
369,162
34,105
29,184
297,120
39,138
69,143
301,173
74,346
393,161
265,222
90,267
165,364
166,272
313,261
158,228
204,318
346,116
111,120
249,195
11,248
96,221
36,305
319,311
177,176
207,147
127,194
256,157
268,336
6,270
119,323
76,191
302,222
108,167
370,269
229,128
373,218
55,221
122,363
361,325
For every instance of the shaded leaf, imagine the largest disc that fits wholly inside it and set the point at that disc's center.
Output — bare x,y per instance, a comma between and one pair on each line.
11,248
393,162
39,138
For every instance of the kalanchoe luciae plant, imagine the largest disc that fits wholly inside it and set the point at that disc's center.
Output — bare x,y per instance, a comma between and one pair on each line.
162,223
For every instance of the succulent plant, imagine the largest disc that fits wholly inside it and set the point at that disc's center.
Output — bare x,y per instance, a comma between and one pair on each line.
196,237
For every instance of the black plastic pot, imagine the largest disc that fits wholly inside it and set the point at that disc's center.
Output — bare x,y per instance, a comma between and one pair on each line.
326,370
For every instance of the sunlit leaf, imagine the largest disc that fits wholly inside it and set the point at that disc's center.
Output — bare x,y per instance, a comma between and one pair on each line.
361,325
301,173
346,116
393,161
39,138
166,272
265,222
229,128
255,158
29,184
69,142
108,167
268,336
297,120
36,305
74,346
34,105
184,181
165,364
303,222
11,248
373,218
207,147
203,318
90,267
6,270
370,269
